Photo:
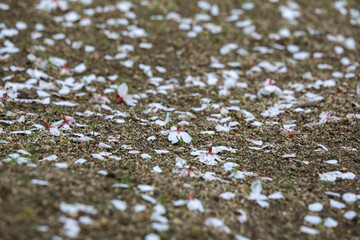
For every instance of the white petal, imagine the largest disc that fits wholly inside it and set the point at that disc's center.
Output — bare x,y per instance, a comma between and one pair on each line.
350,214
54,131
146,188
349,197
337,204
330,222
194,205
313,219
118,204
277,195
186,137
179,202
263,204
243,217
256,187
156,169
152,236
122,89
128,99
308,230
173,137
61,165
316,207
227,195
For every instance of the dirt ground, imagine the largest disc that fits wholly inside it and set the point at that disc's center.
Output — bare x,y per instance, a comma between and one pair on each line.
119,133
